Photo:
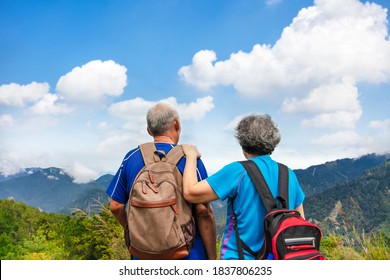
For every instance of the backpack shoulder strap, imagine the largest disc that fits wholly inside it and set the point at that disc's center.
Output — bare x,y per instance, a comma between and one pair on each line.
175,154
283,182
260,184
148,152
267,198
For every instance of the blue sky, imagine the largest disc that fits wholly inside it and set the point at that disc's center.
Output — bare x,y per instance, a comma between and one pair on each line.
77,77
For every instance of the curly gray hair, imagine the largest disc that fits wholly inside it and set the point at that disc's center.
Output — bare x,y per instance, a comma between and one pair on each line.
160,118
257,134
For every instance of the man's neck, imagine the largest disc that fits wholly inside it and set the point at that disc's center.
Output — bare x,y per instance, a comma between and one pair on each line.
164,139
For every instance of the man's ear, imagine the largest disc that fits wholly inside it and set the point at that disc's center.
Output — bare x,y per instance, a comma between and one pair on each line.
177,125
149,131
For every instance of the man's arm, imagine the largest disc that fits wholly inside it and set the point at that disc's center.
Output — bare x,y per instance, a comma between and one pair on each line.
206,223
119,212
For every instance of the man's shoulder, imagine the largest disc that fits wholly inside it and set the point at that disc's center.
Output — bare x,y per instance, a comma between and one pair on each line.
132,155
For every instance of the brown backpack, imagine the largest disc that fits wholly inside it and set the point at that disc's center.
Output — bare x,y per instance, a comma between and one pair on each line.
160,221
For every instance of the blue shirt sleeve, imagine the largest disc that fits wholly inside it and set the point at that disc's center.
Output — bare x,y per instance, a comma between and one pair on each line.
120,185
117,188
225,181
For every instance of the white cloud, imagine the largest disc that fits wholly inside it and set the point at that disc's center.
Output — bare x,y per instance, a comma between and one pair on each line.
336,120
136,109
6,120
251,73
333,105
380,135
130,109
327,41
380,124
336,38
349,143
339,139
194,110
49,104
19,95
327,98
92,81
81,173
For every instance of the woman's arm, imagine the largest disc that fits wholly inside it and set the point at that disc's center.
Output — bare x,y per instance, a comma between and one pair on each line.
300,210
194,191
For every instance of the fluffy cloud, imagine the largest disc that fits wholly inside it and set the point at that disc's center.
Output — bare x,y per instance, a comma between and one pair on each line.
136,109
380,124
339,140
82,174
321,57
336,120
93,81
35,95
252,74
380,131
19,95
327,41
194,110
327,98
49,104
334,105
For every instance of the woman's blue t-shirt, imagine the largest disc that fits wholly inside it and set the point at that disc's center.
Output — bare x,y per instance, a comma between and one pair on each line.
232,181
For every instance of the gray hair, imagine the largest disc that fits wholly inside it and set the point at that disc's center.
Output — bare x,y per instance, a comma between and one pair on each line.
160,118
257,134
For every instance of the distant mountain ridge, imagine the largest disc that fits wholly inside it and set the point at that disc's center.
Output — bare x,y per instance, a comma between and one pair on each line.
53,190
339,183
318,178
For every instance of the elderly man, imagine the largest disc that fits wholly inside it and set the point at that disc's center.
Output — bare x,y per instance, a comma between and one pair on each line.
163,124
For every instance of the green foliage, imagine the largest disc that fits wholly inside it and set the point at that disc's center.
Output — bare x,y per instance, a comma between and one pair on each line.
29,234
356,247
94,237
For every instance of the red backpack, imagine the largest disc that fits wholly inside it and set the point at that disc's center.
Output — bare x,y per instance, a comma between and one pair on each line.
287,236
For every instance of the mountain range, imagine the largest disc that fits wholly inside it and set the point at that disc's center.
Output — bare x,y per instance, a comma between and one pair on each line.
53,190
338,193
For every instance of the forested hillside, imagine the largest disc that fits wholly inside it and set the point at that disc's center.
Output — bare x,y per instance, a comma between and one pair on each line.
29,234
363,203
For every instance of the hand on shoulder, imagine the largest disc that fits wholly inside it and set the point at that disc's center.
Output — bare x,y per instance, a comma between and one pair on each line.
191,150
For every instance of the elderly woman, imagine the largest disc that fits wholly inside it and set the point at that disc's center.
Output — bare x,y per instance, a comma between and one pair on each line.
258,136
